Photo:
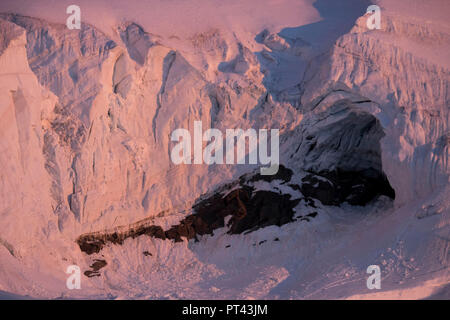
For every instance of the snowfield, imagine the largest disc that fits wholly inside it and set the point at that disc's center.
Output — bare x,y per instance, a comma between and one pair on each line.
86,177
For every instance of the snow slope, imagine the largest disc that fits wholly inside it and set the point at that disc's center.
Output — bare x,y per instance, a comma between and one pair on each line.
85,134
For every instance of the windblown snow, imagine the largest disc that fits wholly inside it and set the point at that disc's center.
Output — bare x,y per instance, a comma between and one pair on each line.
87,179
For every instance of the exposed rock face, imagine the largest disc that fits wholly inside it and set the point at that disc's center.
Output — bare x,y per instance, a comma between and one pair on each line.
93,243
356,188
248,208
341,154
96,266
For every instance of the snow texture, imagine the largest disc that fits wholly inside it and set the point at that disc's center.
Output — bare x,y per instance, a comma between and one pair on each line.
86,118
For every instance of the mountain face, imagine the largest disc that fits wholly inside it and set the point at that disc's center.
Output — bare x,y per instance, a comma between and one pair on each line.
87,177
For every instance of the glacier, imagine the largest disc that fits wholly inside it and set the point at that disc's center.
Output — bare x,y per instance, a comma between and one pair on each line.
87,177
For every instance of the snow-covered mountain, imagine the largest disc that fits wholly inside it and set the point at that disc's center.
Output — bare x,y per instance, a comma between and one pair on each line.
87,178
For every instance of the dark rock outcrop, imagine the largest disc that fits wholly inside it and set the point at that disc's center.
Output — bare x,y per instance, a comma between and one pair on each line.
356,188
93,242
96,266
249,209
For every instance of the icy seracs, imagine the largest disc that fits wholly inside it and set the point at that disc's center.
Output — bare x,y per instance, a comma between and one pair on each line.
86,123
